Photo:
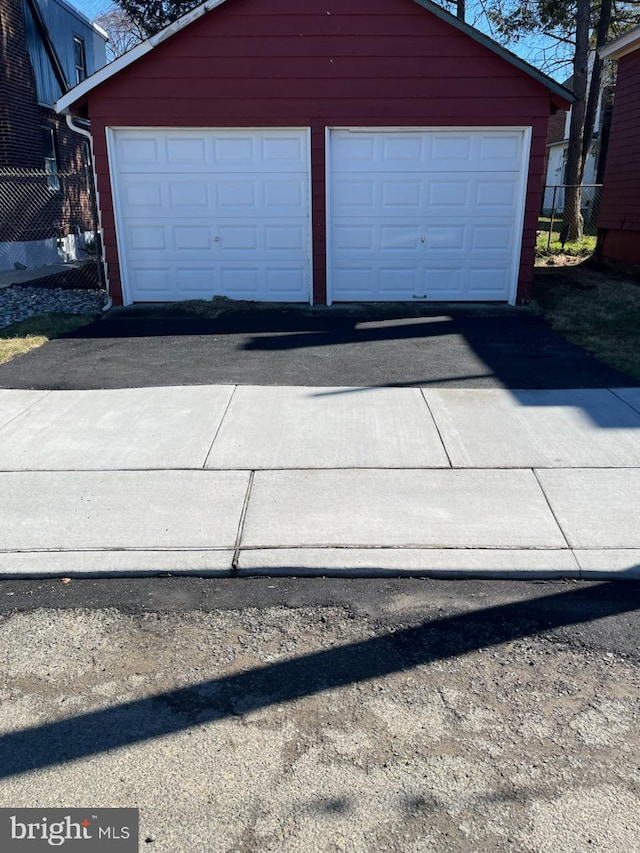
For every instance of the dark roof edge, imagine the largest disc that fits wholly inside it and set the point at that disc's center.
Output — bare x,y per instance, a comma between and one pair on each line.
488,42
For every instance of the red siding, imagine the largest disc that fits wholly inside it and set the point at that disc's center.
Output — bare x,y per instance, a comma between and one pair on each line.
619,217
279,63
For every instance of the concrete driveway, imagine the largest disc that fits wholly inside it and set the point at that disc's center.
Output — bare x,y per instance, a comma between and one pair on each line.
240,480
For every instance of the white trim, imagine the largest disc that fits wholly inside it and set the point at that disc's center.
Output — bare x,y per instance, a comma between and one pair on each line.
62,104
463,128
117,217
327,214
122,62
309,209
117,210
621,46
526,132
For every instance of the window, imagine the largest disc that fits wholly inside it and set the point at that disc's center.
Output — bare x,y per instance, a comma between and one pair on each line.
50,161
79,58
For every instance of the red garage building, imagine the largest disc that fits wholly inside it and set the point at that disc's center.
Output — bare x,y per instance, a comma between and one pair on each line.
331,150
619,216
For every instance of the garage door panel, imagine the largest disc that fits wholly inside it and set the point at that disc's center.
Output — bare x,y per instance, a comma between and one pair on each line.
435,151
418,194
356,238
155,283
399,238
275,283
498,196
356,283
149,151
425,214
285,281
491,237
488,282
442,282
262,196
398,282
215,211
147,238
190,238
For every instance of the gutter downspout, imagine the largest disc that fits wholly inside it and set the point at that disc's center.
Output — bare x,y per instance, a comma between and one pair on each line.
89,138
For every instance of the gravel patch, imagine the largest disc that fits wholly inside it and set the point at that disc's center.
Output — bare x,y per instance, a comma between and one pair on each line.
21,302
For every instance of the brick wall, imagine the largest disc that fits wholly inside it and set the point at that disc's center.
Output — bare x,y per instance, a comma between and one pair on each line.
21,117
20,143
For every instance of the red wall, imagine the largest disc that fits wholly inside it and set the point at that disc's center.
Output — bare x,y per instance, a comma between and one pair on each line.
279,63
619,217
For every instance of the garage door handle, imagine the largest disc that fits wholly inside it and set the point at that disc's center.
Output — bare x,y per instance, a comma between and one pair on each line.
216,239
422,239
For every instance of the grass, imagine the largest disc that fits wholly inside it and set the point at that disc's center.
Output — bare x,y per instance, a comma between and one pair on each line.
597,310
36,331
582,248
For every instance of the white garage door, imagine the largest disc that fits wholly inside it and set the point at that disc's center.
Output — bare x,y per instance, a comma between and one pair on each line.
426,214
204,212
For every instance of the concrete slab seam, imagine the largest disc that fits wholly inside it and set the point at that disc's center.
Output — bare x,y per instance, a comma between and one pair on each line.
243,515
24,411
224,415
555,517
436,426
119,550
622,399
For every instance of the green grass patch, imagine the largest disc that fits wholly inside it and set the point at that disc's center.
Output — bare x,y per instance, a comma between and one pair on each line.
598,311
546,247
36,331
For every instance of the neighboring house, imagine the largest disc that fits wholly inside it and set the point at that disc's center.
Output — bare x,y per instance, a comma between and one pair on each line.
619,217
558,145
321,151
48,47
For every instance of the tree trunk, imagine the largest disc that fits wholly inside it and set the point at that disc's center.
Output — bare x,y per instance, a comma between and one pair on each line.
461,9
602,35
573,226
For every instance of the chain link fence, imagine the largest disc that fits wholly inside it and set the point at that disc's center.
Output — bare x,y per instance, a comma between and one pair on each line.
49,232
552,212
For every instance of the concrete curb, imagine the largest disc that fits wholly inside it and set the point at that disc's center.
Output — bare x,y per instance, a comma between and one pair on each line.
443,563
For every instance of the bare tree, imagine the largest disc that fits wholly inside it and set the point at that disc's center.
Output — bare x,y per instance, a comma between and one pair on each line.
577,28
124,33
151,16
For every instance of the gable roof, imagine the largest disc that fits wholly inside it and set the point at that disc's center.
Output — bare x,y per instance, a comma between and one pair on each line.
621,46
78,92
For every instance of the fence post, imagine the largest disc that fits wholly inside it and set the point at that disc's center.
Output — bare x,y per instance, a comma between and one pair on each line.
553,211
93,202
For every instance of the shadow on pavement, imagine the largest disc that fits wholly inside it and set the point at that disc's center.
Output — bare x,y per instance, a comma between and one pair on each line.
285,681
395,345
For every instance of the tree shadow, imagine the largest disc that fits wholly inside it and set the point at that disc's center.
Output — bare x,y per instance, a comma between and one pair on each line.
394,346
284,681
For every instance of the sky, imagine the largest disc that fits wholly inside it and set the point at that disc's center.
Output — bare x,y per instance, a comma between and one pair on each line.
532,48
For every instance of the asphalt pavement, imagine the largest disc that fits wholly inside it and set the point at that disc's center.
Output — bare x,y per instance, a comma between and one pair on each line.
388,345
328,715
